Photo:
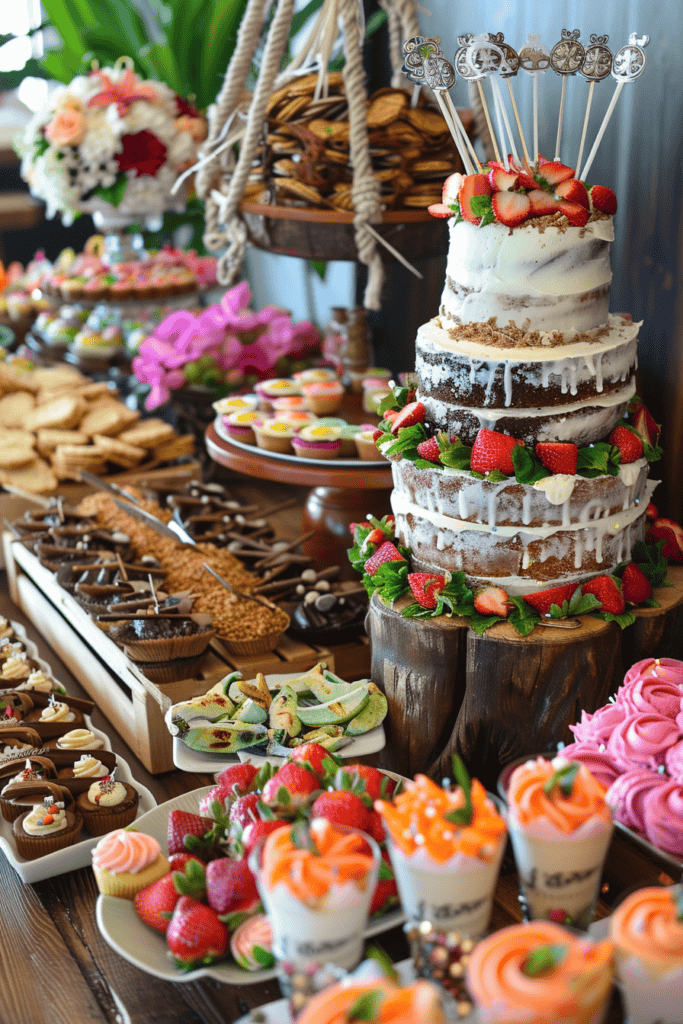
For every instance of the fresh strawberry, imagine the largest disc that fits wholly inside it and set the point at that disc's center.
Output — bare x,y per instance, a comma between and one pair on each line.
183,825
576,214
543,161
378,786
429,449
543,600
672,535
385,895
425,587
635,585
558,457
377,433
525,180
451,189
542,202
411,414
511,208
651,511
603,199
375,827
473,185
503,181
195,936
391,414
554,172
606,589
440,210
291,786
643,422
388,552
241,775
492,601
375,536
574,191
179,861
492,450
258,830
629,444
156,902
342,808
245,809
322,762
230,886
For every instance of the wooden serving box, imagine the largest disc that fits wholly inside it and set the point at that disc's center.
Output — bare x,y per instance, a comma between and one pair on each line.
132,703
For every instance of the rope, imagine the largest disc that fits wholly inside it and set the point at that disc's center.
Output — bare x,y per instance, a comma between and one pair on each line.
365,190
395,30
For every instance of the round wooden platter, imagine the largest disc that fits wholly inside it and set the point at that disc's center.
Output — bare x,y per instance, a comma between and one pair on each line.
499,696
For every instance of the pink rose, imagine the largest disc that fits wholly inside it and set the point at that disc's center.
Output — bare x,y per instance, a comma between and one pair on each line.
67,128
627,795
641,741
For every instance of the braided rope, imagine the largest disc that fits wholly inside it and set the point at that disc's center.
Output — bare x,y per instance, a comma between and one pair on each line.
365,190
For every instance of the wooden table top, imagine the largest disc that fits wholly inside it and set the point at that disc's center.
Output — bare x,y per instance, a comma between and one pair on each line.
55,967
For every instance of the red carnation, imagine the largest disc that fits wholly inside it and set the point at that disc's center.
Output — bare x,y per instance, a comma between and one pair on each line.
143,153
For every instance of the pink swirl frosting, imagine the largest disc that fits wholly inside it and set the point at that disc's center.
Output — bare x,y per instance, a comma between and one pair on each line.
641,741
666,669
627,796
674,761
598,728
121,851
599,764
648,693
664,817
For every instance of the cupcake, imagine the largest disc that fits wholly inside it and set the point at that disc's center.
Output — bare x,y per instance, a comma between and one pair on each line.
663,813
317,441
33,768
598,762
240,425
278,387
76,739
539,973
52,825
417,1003
653,685
290,403
323,398
316,375
374,390
107,804
297,418
348,441
126,861
238,403
256,933
365,444
647,932
274,435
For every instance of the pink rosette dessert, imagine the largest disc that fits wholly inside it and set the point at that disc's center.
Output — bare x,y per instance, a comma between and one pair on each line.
664,817
665,669
626,796
652,693
125,861
641,741
674,761
598,762
598,728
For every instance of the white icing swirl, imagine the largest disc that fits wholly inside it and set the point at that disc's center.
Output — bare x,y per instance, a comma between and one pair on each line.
37,681
34,823
89,767
57,712
16,667
107,794
77,738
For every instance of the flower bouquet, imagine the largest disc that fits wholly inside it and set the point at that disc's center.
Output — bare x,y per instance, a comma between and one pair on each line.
221,348
112,145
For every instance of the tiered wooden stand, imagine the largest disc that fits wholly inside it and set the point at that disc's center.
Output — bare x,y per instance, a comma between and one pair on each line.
499,696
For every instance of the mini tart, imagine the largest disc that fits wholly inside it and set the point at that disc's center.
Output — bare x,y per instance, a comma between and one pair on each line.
277,387
97,819
274,436
315,375
240,425
31,846
297,418
238,403
373,393
324,397
347,438
126,861
291,403
318,441
365,446
151,639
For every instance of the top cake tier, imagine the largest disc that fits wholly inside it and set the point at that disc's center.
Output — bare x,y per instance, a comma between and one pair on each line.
535,276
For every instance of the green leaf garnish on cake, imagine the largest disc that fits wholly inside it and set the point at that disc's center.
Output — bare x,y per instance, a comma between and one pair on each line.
599,459
544,959
564,778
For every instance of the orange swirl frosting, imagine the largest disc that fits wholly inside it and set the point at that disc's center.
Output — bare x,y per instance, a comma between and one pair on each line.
418,1003
417,818
309,875
529,801
122,851
646,925
572,988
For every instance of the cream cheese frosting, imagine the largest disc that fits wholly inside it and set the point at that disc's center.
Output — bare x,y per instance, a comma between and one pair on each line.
45,819
88,766
77,738
107,793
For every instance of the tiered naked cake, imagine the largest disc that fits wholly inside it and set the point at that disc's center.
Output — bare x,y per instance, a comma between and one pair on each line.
524,345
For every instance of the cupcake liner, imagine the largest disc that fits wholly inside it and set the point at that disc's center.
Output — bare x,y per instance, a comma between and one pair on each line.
161,672
168,648
127,885
273,443
32,847
263,645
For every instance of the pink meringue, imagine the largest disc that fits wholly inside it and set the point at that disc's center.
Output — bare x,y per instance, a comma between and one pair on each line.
664,817
627,796
598,728
649,693
599,763
674,761
641,741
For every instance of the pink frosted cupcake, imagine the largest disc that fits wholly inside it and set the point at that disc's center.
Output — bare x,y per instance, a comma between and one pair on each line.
125,861
641,741
599,763
665,669
657,689
674,761
317,441
324,397
626,796
278,387
664,817
598,728
240,425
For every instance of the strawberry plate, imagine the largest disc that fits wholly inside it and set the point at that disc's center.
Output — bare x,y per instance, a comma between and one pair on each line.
141,946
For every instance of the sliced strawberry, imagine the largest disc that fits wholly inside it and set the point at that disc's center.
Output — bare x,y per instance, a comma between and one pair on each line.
672,535
429,449
643,422
606,589
510,208
629,444
425,587
496,165
574,191
558,457
603,199
473,185
554,172
492,601
635,585
525,180
451,189
386,553
576,215
377,434
390,415
493,450
542,202
543,161
503,181
411,414
543,600
375,536
440,210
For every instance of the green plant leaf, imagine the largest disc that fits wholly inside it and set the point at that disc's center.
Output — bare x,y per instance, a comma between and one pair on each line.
320,267
113,193
482,207
600,459
528,467
626,618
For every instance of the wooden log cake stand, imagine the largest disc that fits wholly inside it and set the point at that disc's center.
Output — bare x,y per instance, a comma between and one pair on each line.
500,696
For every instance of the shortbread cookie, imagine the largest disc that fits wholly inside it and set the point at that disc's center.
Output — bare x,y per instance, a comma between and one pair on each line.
174,449
14,408
14,455
61,414
36,477
117,451
109,419
48,439
149,433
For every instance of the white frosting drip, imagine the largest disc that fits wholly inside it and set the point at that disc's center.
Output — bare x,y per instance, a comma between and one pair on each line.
558,488
628,473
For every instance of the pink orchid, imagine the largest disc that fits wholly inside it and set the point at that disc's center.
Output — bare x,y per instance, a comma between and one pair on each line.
127,90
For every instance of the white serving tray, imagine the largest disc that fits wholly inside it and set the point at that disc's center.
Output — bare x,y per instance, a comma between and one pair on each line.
140,945
284,457
189,760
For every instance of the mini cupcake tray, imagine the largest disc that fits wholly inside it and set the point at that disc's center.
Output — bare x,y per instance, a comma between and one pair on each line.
252,449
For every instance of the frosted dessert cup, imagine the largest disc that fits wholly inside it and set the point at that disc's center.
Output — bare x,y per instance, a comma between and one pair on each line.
348,442
647,931
539,973
366,448
446,846
238,403
374,390
291,403
277,387
297,418
316,375
560,826
274,435
418,1003
240,425
318,904
324,397
318,441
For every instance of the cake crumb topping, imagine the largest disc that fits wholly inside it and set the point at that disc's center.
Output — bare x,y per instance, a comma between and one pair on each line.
512,336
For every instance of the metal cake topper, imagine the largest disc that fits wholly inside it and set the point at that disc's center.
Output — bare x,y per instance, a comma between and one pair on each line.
415,52
534,56
596,66
511,57
567,56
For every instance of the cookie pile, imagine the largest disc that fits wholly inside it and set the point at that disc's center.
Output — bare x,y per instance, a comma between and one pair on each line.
55,422
305,158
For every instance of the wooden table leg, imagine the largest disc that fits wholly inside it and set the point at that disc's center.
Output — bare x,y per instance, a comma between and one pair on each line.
331,510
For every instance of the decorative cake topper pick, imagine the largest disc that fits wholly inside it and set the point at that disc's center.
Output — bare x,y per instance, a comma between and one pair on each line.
466,69
534,58
629,64
566,58
508,69
440,77
597,65
486,58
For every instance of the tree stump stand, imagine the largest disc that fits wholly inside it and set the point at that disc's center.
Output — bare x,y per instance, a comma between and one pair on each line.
499,696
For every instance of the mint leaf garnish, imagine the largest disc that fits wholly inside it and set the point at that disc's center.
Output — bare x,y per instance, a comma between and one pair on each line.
453,454
600,459
263,957
481,206
581,604
462,815
528,468
302,838
367,1007
651,562
384,960
563,777
544,959
625,619
522,617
